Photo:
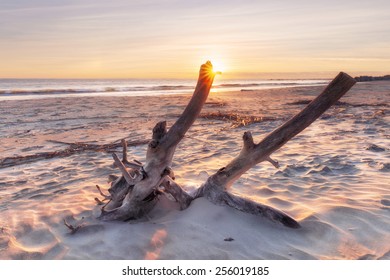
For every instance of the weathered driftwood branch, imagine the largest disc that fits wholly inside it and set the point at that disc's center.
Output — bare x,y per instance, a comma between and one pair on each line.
73,148
73,228
142,196
182,197
252,153
132,196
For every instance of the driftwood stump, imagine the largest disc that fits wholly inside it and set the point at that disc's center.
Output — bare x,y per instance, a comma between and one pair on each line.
135,193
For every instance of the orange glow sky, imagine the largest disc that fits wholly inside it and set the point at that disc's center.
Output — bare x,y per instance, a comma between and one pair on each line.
170,39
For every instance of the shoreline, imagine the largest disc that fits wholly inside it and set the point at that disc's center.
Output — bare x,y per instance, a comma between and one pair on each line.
183,87
33,96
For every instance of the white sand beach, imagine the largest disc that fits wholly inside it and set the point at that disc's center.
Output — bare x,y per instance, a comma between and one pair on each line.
333,178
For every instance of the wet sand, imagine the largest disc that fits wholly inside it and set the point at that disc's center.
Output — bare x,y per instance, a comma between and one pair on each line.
333,178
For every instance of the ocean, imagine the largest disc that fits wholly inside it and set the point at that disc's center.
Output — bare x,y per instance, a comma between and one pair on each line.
23,89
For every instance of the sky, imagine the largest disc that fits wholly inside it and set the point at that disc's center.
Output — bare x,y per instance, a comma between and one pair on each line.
170,39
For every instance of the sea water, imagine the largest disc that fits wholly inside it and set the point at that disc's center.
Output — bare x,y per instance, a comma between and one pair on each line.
24,89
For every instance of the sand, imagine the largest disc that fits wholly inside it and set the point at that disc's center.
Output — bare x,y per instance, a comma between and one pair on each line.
334,179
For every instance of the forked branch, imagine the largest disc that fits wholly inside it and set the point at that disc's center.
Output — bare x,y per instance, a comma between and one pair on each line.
141,193
252,154
215,188
132,196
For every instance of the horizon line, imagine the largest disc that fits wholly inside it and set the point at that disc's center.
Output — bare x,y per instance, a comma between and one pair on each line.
229,76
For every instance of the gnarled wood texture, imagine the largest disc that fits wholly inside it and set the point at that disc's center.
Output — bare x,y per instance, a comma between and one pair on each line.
142,195
135,193
215,188
252,153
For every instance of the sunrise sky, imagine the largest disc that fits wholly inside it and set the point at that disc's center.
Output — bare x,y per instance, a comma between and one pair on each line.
170,39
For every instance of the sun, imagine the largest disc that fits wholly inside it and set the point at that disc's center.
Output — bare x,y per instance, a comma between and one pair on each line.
217,60
218,66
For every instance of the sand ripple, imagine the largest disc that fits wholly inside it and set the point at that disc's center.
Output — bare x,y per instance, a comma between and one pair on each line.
334,178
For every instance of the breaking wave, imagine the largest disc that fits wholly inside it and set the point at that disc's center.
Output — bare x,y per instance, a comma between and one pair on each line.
15,87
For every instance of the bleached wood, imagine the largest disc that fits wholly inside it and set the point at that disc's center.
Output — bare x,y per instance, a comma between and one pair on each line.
251,154
122,167
132,198
142,195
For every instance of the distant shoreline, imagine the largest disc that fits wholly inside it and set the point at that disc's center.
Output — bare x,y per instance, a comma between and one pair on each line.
372,78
